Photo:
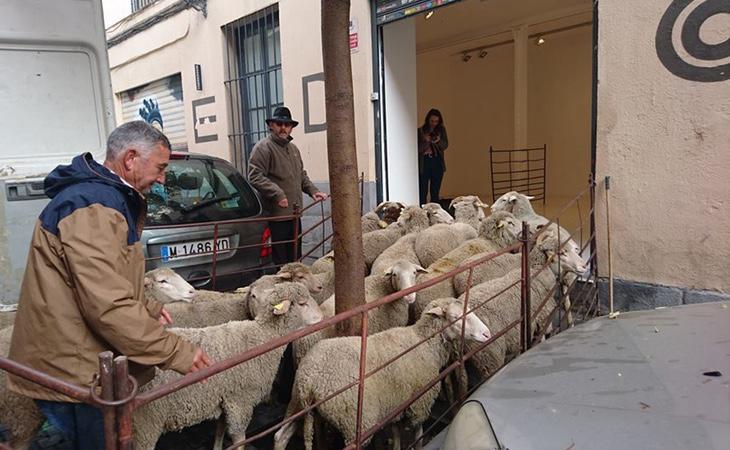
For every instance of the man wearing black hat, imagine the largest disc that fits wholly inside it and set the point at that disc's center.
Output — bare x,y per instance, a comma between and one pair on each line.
277,172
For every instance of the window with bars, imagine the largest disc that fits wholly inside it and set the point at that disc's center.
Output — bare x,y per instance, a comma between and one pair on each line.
254,81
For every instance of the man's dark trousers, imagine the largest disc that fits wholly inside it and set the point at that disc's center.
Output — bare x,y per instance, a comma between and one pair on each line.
284,231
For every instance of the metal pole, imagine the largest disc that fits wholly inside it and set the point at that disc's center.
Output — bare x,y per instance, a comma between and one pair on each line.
361,386
106,375
526,335
297,213
608,243
215,252
122,389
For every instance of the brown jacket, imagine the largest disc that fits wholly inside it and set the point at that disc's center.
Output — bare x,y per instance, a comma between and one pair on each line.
82,291
277,172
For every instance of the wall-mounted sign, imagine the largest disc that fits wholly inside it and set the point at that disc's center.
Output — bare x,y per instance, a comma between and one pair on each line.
392,10
354,43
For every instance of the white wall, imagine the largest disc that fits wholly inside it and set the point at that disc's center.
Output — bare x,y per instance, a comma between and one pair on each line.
399,46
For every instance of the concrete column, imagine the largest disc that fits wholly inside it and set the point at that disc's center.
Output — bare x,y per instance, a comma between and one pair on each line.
399,45
521,37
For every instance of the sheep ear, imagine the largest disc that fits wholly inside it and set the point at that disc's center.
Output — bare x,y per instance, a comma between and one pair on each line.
500,224
243,290
436,311
382,224
530,197
455,201
147,281
281,308
402,206
284,275
512,198
388,272
420,269
380,207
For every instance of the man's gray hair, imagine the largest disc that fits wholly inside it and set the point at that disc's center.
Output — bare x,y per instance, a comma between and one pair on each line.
138,135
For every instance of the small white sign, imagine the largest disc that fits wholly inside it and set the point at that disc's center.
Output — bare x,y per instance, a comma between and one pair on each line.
354,36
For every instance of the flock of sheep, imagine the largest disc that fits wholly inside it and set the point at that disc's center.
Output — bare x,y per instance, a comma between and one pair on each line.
404,246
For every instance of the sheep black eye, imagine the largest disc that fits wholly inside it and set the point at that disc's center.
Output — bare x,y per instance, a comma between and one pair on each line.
162,281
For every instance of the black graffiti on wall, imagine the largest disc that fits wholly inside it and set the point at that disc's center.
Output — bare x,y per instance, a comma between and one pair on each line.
699,61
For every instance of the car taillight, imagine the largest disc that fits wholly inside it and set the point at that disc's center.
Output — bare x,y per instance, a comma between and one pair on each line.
266,243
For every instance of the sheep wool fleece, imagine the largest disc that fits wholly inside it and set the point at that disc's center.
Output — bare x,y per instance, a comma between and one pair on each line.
82,292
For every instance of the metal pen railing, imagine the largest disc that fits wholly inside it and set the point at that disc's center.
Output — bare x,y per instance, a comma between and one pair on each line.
115,392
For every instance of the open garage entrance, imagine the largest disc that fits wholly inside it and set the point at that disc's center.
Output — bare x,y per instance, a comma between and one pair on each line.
506,74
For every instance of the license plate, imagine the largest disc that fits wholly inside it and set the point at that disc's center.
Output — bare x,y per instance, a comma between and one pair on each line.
194,248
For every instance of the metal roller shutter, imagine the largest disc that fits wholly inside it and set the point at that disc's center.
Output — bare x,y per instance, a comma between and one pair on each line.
161,104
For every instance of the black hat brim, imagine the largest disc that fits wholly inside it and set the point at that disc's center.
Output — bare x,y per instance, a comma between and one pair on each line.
293,123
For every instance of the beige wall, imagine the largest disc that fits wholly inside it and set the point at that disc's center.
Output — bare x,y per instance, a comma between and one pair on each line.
189,38
559,113
664,142
477,101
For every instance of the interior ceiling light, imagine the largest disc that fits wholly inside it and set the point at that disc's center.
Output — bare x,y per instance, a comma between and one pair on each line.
539,40
466,57
483,53
429,14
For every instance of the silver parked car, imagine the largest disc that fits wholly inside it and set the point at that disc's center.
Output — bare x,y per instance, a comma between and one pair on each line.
656,379
198,190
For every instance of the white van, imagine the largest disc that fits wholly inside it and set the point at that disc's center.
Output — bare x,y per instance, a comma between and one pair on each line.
55,102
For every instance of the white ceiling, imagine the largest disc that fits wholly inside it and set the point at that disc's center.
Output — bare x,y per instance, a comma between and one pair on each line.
472,20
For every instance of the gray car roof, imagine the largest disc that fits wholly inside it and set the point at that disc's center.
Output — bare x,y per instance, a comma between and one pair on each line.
634,382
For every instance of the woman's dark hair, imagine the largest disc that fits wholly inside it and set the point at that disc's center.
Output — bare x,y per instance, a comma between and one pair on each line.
434,112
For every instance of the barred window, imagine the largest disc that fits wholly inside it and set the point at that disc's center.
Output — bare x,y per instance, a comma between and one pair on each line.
254,79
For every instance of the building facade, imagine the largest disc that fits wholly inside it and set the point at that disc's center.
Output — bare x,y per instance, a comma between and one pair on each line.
639,95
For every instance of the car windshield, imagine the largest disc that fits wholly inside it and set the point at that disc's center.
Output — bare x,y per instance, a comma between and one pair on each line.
200,190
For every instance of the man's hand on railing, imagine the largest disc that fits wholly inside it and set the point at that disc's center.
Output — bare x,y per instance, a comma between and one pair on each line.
283,203
319,195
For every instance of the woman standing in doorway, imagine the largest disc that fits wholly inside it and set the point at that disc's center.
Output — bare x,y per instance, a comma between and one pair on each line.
432,143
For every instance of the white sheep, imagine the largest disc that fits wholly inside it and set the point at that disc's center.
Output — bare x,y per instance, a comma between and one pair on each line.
374,243
333,363
571,262
404,249
291,272
215,308
468,209
496,232
505,308
401,275
437,240
164,285
235,392
437,214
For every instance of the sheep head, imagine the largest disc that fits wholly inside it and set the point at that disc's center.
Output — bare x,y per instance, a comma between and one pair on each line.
501,227
389,212
452,310
469,201
436,214
293,302
403,275
548,249
514,202
167,286
300,273
413,218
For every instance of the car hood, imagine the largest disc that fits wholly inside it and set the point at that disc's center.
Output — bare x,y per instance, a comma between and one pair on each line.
637,381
